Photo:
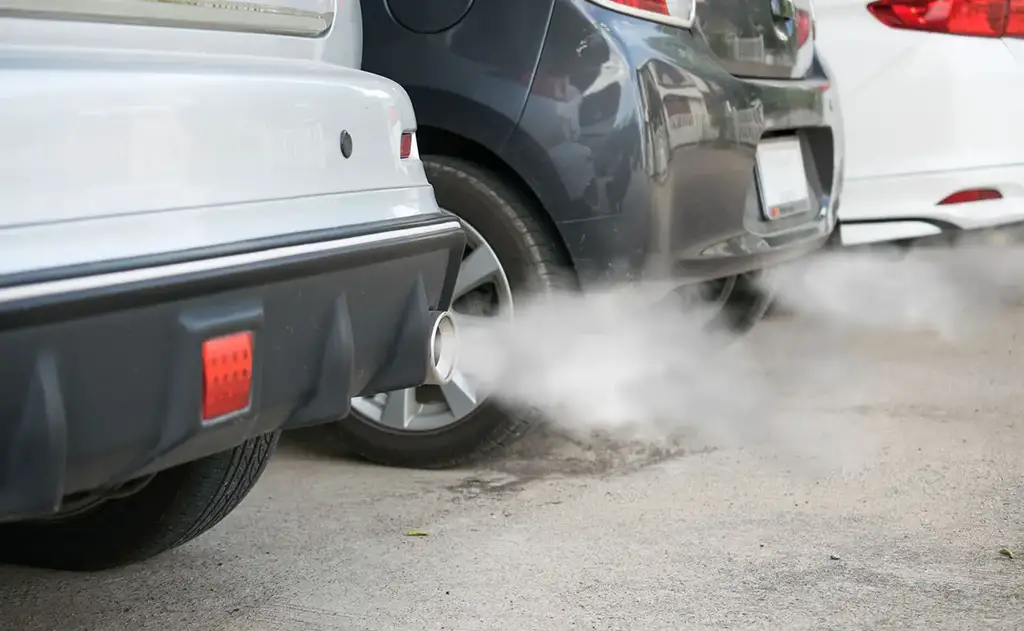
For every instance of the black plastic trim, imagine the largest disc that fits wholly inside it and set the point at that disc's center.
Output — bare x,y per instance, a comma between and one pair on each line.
102,387
63,307
216,251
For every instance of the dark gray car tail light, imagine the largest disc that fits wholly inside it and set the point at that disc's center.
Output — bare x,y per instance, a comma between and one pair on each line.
674,12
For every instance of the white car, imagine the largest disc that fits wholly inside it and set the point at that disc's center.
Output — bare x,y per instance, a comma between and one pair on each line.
930,93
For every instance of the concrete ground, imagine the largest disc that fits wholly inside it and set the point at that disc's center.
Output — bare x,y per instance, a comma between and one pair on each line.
889,513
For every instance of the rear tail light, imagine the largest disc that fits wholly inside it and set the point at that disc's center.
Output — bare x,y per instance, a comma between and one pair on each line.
407,146
978,18
804,26
676,12
971,195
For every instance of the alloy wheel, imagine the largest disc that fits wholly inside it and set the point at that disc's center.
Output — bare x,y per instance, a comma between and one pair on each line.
482,291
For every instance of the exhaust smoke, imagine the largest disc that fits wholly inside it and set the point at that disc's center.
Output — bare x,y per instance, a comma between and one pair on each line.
626,363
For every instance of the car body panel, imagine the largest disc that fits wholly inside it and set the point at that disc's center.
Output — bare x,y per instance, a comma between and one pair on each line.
926,117
123,26
671,181
758,38
301,18
627,202
138,138
41,246
472,78
131,133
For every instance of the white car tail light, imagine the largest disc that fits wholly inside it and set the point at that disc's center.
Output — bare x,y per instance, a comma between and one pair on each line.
978,18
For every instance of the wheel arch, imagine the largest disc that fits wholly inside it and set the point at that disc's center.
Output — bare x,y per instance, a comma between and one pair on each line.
434,140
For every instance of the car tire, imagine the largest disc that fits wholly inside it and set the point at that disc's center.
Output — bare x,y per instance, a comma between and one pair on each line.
534,262
173,508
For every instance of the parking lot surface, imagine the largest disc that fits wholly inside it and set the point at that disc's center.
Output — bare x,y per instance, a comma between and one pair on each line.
890,514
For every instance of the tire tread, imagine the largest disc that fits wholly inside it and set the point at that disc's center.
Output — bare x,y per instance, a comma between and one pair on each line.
177,506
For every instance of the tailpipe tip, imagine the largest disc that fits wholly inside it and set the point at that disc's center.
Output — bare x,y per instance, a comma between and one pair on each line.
442,349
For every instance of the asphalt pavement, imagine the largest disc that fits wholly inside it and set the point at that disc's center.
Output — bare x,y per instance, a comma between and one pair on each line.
887,510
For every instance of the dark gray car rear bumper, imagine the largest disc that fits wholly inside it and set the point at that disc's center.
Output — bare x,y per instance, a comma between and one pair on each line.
656,154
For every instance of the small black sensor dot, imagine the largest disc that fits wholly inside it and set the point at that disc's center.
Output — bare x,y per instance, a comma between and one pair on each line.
346,143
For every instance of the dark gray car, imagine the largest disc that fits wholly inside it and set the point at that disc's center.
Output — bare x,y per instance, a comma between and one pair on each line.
583,141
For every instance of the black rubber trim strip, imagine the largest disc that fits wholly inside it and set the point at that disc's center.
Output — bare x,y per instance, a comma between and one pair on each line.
69,306
216,251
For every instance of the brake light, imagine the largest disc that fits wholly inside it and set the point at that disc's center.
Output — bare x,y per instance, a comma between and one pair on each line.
227,374
676,12
971,195
804,26
978,18
406,144
1015,19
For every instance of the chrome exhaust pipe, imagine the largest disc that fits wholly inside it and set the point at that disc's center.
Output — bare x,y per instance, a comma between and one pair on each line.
442,349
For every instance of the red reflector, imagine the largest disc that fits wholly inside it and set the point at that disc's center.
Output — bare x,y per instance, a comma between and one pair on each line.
227,374
971,195
981,18
405,150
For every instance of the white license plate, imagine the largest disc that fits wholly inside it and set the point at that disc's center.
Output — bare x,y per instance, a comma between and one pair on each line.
782,178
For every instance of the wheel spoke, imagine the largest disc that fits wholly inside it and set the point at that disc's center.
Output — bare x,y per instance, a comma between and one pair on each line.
399,408
460,395
477,268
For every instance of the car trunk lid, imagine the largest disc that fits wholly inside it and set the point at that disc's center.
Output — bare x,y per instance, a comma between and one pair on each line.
112,117
768,39
771,39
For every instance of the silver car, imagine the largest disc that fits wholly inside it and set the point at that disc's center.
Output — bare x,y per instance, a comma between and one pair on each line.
213,227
